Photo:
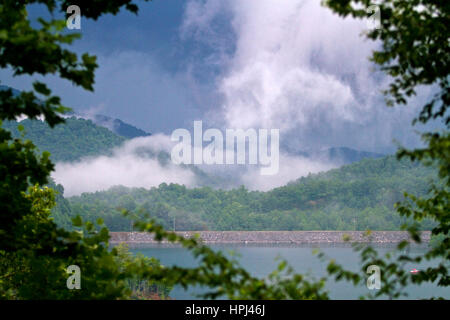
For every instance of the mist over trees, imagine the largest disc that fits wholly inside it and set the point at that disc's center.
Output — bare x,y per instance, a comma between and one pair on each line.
359,196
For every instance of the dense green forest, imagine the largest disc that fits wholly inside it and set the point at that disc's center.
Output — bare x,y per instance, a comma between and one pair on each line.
359,196
75,139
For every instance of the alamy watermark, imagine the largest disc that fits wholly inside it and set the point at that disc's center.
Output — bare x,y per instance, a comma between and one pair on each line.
374,12
235,147
74,280
374,280
74,20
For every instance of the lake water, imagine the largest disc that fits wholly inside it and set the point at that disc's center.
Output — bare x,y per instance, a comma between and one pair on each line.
260,260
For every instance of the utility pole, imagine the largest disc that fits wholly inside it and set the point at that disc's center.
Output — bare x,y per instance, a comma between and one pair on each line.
174,217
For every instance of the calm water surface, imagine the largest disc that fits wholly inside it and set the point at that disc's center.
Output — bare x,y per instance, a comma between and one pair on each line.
260,260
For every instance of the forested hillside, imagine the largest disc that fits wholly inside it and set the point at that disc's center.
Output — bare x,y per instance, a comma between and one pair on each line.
358,196
78,138
75,139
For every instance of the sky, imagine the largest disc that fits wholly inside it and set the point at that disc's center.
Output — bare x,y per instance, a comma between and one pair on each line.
294,66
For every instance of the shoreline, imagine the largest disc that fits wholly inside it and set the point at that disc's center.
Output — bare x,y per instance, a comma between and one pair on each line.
273,237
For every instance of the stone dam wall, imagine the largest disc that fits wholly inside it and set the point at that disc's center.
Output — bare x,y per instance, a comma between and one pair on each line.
280,237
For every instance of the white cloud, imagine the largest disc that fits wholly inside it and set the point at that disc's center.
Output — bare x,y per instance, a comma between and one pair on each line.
300,68
289,66
131,165
291,168
128,166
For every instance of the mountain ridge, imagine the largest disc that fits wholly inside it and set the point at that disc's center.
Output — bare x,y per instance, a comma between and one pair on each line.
117,126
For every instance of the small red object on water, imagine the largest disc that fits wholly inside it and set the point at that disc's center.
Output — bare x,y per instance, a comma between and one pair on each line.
414,270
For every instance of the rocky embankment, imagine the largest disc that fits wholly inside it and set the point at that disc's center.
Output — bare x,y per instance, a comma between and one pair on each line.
285,237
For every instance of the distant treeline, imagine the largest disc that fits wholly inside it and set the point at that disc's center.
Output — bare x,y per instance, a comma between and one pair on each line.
359,196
